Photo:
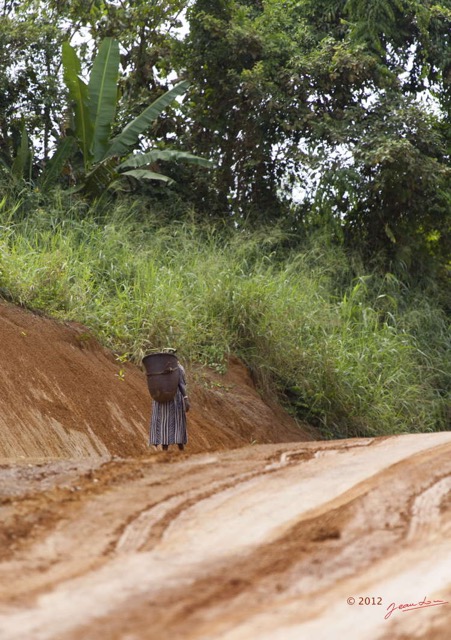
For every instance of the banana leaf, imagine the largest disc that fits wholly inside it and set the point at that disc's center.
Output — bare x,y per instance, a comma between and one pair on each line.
100,178
166,155
143,174
122,143
102,91
78,92
55,165
22,161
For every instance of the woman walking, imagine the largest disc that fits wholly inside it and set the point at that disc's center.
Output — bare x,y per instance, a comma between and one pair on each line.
168,423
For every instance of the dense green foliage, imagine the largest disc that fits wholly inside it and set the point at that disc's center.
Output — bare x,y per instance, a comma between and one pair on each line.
317,245
332,113
333,94
350,351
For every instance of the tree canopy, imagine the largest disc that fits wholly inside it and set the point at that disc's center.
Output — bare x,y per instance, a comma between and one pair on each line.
326,113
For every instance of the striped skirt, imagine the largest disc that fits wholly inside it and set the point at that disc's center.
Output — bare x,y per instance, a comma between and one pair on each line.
168,422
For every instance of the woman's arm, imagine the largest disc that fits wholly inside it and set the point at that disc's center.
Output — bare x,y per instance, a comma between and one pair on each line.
182,387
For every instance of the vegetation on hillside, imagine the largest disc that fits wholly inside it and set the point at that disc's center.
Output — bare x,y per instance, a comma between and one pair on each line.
292,206
352,351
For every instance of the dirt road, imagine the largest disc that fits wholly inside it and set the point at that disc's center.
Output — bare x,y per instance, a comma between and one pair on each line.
290,541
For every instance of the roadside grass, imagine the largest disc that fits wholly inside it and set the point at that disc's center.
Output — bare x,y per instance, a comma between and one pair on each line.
356,354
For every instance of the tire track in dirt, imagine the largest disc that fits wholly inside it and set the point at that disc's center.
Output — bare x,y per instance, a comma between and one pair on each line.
329,549
42,529
426,507
105,501
298,524
137,536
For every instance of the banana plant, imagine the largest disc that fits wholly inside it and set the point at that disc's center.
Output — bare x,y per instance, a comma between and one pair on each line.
21,166
106,159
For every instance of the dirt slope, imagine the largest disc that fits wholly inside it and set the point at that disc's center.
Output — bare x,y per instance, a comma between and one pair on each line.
277,541
63,395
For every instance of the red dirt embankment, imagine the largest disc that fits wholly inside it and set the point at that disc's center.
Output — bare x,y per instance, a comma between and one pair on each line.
289,541
64,396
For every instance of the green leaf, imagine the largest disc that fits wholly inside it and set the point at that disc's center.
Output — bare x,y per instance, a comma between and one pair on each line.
78,92
166,155
100,178
128,137
390,233
55,165
143,174
22,160
102,90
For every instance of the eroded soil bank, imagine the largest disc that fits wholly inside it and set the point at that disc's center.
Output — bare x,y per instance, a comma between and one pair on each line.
284,538
63,396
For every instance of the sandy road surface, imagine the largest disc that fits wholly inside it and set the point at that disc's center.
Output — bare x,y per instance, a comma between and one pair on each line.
267,542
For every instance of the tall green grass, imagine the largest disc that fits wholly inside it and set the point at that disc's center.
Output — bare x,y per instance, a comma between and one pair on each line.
353,353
